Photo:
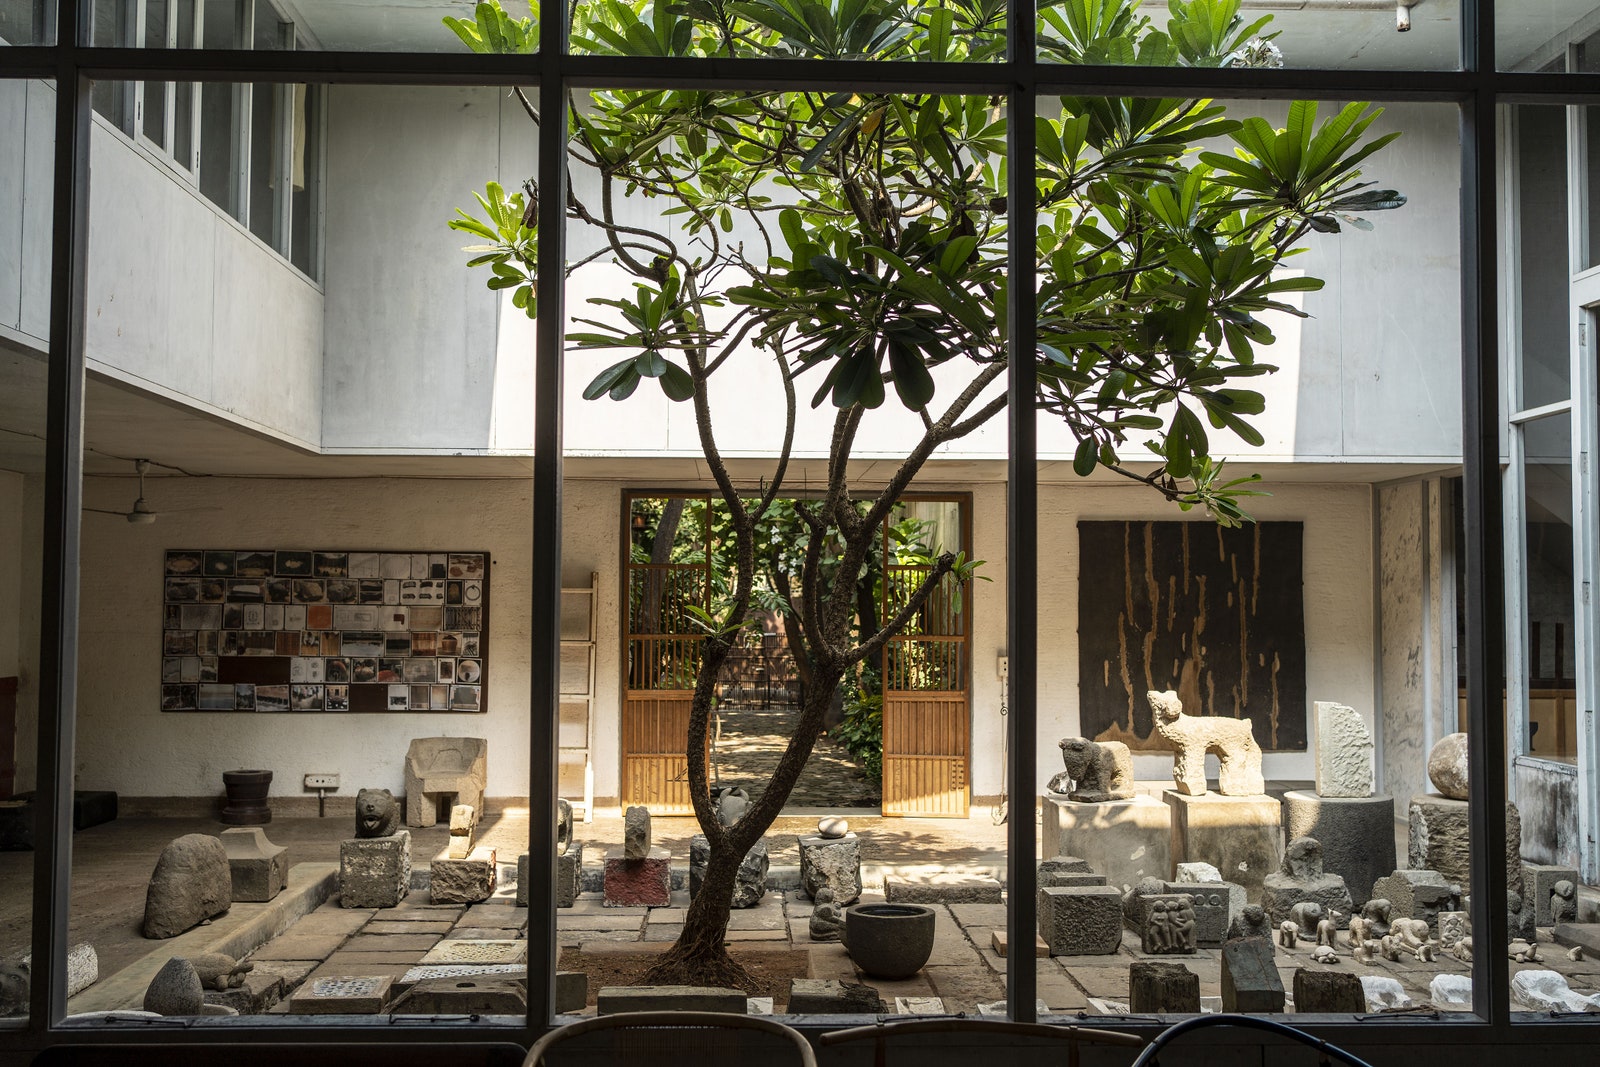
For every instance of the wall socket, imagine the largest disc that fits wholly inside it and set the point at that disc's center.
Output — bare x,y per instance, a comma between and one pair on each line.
322,781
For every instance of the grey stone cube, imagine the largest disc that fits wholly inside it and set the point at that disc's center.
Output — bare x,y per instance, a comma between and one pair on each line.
259,869
569,872
1250,980
375,872
1081,920
469,880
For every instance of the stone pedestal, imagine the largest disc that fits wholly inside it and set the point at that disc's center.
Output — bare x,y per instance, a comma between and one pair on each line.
1327,991
1438,840
375,872
466,880
749,884
1538,881
1125,840
1250,980
1357,835
643,883
259,868
569,876
1081,920
833,863
1240,836
1162,988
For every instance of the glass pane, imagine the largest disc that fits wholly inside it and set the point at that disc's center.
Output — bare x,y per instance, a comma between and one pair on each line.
1542,265
266,159
114,25
1536,37
305,177
1591,186
364,25
154,107
27,127
1337,35
24,21
1548,572
183,94
220,114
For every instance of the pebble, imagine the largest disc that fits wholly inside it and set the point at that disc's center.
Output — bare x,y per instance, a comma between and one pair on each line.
832,826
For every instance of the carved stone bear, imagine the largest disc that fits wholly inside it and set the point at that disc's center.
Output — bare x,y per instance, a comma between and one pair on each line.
1097,771
377,813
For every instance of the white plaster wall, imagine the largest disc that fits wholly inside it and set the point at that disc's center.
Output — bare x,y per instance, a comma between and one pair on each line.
184,302
1337,591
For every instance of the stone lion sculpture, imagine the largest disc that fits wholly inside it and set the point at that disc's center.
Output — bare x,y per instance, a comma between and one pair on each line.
1192,736
1097,771
377,813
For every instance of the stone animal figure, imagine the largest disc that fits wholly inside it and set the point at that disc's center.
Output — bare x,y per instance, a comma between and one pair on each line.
1252,922
1192,736
1328,931
1324,954
1563,903
731,803
827,922
1097,771
377,813
1376,913
563,826
1288,933
1307,915
1366,951
1463,950
1524,951
220,971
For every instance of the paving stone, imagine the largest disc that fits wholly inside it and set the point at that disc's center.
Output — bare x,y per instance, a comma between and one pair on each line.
613,1000
919,1006
388,926
1100,981
335,969
463,951
348,959
297,946
354,995
965,987
666,933
758,935
942,889
756,919
678,915
990,915
611,920
1059,992
365,942
998,939
290,972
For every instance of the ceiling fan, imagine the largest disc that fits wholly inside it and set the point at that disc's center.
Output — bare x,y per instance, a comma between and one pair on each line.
141,514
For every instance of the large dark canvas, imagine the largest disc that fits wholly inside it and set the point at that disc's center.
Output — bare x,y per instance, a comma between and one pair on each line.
1215,613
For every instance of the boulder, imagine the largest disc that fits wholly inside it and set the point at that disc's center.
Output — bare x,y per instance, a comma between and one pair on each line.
192,882
175,990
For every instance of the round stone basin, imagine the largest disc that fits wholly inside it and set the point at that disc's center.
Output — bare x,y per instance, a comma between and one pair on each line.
889,941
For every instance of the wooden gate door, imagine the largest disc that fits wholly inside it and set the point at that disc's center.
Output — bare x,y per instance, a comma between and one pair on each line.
662,650
926,719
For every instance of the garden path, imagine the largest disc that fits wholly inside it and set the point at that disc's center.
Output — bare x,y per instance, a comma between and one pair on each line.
752,741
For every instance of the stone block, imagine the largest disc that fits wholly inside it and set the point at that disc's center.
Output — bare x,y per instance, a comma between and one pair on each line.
1070,878
464,951
1281,892
569,876
826,996
463,820
1417,895
463,881
259,869
342,995
1250,981
83,966
1325,990
942,889
1162,988
631,883
749,882
423,972
1067,870
998,940
1124,840
1081,920
1538,881
1344,753
1579,935
191,883
636,843
572,991
1241,836
483,995
1216,906
375,872
1357,835
1196,872
834,863
614,1000
1437,840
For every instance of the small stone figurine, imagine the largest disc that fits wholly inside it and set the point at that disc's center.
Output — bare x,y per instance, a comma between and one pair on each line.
1563,903
827,921
1288,933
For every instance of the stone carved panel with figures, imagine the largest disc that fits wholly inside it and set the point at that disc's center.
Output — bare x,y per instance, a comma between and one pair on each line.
324,630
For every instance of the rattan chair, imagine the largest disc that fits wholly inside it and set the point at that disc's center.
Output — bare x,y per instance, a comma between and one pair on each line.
993,1032
697,1038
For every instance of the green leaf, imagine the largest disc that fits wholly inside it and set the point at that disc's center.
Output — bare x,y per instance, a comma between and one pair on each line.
1086,458
676,383
911,378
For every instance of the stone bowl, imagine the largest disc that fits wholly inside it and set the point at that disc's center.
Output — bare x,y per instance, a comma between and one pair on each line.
889,941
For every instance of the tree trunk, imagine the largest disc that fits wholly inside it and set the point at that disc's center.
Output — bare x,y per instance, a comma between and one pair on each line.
660,553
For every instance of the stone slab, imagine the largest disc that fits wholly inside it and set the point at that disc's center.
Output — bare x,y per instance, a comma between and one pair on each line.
424,971
351,995
490,994
999,939
834,863
1250,981
1081,920
1579,935
375,872
384,926
464,951
1216,905
1123,840
464,880
942,889
828,996
569,876
259,868
1356,834
1241,836
613,1000
1344,763
632,883
365,942
1162,988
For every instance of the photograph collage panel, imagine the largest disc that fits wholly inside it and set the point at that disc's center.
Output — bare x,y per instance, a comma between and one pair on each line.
296,630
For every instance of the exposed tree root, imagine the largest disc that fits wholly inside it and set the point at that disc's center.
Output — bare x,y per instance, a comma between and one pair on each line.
699,965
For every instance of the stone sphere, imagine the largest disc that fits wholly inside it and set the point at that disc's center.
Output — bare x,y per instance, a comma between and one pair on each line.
1447,766
832,826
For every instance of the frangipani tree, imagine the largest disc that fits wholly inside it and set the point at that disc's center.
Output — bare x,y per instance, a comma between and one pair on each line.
857,241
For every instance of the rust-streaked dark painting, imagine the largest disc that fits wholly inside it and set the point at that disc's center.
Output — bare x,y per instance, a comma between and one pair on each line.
1215,613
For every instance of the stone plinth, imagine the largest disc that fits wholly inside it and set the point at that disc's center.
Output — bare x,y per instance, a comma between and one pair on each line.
355,995
1539,880
943,889
1240,836
1250,980
259,868
569,876
1124,840
1081,920
1438,840
833,863
643,883
1216,905
1326,990
1162,988
1357,835
375,872
468,880
750,881
613,1000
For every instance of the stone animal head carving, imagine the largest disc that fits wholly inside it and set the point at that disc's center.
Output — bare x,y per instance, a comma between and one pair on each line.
377,813
731,803
1166,706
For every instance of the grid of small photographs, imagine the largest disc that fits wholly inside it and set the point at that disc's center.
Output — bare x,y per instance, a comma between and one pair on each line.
298,631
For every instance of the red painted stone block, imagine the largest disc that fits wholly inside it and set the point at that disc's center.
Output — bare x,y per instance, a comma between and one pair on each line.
643,883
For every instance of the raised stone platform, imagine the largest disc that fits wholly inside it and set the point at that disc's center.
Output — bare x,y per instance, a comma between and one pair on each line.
1438,839
1240,836
1125,840
1356,833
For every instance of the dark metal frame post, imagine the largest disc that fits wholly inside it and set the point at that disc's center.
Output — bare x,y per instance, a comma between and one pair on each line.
545,705
1022,517
1485,560
63,489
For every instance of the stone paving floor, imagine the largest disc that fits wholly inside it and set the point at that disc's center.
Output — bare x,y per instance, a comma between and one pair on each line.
753,739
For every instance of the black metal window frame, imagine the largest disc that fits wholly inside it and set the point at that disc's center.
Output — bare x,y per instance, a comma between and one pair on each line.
1477,88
